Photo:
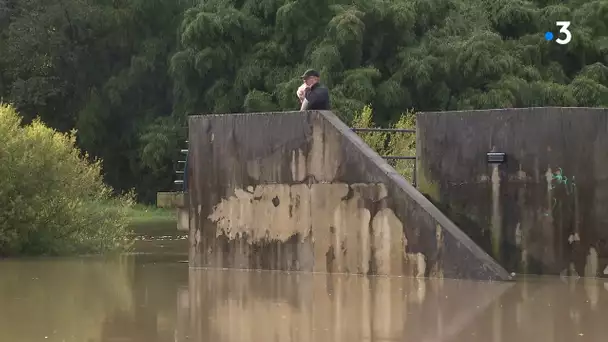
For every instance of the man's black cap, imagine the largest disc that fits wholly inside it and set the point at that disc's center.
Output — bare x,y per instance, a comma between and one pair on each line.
310,73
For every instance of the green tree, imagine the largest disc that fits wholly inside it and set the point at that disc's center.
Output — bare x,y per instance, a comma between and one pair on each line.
423,54
127,73
99,66
53,200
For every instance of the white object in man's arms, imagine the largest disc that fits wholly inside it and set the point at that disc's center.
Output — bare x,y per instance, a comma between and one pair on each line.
301,93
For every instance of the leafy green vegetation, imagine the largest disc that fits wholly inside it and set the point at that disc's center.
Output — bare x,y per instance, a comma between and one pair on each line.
390,144
53,200
126,73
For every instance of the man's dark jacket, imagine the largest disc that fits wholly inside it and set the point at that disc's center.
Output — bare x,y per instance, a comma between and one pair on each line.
318,98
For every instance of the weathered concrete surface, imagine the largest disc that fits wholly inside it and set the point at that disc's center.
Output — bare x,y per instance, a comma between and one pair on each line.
542,212
177,201
183,219
170,199
301,191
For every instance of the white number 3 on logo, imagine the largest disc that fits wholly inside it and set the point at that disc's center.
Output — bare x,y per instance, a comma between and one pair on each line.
564,29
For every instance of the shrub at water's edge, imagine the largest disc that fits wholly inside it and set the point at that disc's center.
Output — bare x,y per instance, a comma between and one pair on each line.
390,144
52,200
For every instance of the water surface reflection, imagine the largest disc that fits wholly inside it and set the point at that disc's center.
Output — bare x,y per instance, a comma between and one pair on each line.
150,299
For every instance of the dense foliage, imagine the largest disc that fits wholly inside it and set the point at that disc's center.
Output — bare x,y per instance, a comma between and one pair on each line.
126,72
53,200
399,144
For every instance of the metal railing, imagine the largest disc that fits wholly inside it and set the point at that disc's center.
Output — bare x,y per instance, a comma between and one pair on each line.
391,159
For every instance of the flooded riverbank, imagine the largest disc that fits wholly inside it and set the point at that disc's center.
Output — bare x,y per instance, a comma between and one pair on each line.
151,296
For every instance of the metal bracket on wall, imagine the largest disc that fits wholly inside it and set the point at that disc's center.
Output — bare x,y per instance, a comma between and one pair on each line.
496,157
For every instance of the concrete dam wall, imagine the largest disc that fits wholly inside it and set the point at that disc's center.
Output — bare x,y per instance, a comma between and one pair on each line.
543,211
299,191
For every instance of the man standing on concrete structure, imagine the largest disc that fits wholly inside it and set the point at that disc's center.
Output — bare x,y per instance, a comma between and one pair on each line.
317,95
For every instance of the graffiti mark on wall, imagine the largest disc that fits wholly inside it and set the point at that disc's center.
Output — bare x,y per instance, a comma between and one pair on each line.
560,179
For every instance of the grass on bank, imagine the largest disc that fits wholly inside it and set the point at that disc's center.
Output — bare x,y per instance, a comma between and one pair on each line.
140,213
149,220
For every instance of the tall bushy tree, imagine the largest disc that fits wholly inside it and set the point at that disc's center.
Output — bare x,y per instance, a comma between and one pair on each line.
126,73
395,54
99,66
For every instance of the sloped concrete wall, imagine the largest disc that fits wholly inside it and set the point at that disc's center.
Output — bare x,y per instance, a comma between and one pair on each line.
300,191
545,210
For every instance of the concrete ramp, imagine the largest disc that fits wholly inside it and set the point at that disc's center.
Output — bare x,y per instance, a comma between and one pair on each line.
299,191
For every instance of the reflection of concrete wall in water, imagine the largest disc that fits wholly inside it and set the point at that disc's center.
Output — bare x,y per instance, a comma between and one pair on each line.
152,316
301,191
182,325
232,306
544,210
544,311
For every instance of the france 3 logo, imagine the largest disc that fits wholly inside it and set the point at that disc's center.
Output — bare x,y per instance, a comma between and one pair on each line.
563,31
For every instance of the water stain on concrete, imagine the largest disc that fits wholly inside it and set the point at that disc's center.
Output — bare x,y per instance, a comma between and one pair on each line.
351,229
545,204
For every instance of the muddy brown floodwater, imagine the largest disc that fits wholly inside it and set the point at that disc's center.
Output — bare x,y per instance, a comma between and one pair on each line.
152,296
